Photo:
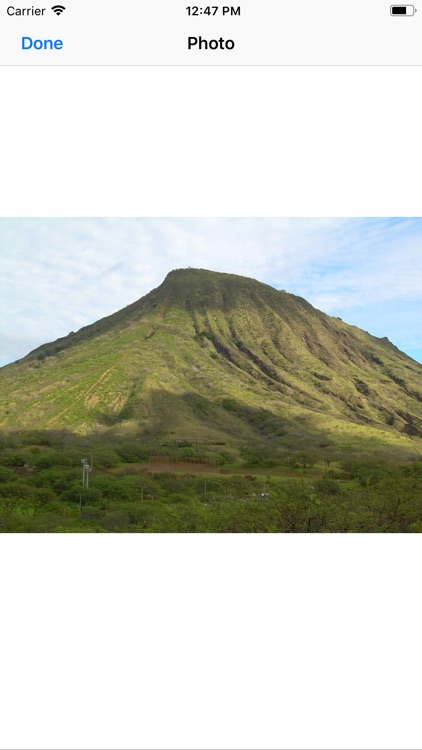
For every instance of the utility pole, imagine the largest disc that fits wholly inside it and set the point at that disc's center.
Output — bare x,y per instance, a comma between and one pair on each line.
86,468
84,463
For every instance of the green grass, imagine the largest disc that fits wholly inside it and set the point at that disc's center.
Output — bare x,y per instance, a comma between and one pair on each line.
125,497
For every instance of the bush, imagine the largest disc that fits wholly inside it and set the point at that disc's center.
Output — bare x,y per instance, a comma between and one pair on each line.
7,475
327,486
50,458
16,460
225,457
105,459
116,521
131,453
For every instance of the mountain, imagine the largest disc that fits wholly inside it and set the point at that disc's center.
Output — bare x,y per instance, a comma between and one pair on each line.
220,357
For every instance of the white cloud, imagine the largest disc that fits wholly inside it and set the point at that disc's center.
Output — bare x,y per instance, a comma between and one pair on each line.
60,274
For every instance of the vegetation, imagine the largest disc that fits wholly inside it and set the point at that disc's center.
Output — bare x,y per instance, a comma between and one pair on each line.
41,491
316,425
222,358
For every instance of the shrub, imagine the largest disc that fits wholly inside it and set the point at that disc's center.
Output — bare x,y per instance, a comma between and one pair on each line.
7,475
328,486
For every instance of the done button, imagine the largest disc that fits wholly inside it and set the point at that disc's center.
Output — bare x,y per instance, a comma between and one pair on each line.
28,43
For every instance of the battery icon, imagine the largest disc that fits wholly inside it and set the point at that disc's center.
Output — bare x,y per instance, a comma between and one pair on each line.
402,10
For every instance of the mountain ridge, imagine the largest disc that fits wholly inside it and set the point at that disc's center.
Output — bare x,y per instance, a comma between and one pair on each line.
219,354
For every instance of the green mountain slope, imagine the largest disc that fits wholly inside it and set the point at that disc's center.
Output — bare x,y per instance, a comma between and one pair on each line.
217,356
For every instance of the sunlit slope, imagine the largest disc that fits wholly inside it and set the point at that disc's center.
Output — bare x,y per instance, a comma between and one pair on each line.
216,355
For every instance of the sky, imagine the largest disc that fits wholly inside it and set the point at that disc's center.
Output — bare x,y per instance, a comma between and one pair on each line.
57,275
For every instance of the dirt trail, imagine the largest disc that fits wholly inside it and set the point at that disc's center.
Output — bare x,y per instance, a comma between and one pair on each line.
92,387
86,393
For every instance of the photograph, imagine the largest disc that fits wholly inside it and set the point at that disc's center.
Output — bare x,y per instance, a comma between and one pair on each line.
215,375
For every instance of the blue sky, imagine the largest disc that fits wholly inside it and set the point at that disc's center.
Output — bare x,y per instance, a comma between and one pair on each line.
57,275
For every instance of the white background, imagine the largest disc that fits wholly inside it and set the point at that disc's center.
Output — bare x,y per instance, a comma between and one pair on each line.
126,641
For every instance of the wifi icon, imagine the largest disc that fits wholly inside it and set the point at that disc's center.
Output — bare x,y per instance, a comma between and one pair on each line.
58,9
